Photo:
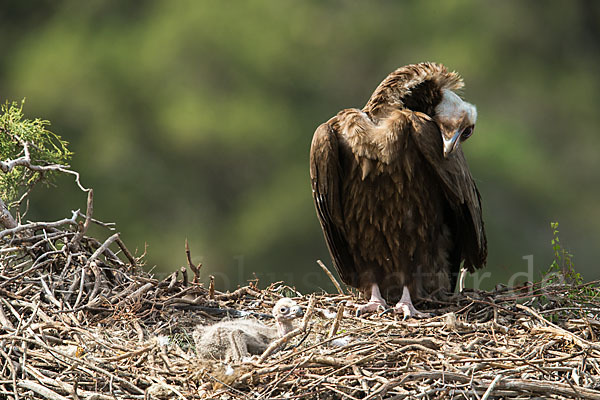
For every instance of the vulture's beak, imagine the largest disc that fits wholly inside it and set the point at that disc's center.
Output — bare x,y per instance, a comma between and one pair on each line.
450,144
298,312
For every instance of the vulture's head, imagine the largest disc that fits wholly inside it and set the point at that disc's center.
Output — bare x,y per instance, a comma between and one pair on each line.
456,119
285,311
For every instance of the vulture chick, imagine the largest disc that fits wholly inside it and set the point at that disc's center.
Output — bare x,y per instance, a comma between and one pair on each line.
232,341
399,209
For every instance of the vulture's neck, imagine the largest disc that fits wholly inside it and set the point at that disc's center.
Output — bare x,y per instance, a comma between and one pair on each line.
284,327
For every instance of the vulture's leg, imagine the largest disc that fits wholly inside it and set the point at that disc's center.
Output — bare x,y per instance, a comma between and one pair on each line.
405,306
375,302
238,346
461,280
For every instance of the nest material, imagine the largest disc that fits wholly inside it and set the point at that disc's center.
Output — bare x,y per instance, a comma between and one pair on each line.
82,321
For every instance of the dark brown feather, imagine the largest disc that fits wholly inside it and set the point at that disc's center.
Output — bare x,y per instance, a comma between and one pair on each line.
325,175
393,210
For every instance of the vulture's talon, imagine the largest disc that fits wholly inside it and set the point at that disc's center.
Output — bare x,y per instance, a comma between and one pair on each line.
386,311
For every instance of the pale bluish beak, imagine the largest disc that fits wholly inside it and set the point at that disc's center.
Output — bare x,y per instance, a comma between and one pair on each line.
450,144
297,311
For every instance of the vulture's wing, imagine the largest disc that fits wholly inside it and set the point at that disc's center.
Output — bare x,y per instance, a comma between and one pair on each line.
325,176
459,187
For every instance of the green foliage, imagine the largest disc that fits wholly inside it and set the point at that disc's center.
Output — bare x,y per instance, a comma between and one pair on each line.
45,148
562,267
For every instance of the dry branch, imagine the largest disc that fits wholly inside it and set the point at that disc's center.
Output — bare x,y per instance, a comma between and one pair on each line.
195,268
41,390
40,225
331,277
86,224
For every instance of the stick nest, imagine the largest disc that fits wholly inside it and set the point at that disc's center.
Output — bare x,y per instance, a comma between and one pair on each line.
82,321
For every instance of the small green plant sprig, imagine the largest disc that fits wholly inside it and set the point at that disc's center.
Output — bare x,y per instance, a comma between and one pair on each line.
562,267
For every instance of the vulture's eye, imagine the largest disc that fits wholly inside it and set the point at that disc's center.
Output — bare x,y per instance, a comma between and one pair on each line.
467,132
283,310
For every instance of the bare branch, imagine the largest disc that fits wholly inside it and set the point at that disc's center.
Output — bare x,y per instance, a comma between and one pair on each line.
331,277
336,323
128,254
40,225
41,390
102,248
25,161
108,225
88,216
195,269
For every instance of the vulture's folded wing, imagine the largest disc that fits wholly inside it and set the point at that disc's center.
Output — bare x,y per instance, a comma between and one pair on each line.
459,187
325,175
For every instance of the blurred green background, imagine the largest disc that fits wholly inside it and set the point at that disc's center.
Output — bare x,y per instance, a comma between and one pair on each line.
193,119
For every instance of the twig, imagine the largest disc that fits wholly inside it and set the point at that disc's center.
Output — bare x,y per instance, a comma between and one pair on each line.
238,293
195,269
309,311
135,296
84,227
97,281
49,293
336,322
41,390
211,287
103,248
81,283
130,257
183,271
112,257
40,225
108,225
330,276
130,354
490,389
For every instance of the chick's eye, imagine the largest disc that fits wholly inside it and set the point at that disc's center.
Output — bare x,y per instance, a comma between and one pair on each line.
283,310
467,132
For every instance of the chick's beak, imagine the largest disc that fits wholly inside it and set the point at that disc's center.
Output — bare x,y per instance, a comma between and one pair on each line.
298,312
450,144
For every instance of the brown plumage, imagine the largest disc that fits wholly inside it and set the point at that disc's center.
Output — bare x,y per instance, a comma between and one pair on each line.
398,206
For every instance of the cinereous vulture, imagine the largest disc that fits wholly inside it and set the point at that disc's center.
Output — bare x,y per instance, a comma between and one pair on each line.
399,209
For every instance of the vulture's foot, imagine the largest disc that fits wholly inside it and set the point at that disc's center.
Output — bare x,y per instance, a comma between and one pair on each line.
372,306
376,302
405,307
409,311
